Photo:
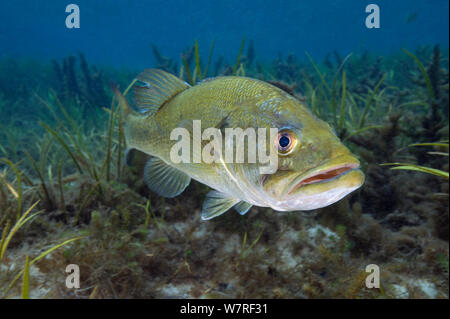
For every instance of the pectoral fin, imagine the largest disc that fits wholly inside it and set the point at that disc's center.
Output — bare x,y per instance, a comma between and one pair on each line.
242,207
217,203
164,179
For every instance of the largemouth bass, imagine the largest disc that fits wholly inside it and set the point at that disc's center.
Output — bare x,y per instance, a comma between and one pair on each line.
313,168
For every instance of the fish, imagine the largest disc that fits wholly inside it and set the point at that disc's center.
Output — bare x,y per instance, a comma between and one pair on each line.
313,169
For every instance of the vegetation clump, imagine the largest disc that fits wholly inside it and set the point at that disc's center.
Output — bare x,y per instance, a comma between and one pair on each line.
67,195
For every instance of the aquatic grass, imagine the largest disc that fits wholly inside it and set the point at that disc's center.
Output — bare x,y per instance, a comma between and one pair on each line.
343,100
443,144
419,168
352,112
197,75
10,233
62,109
151,216
334,89
94,170
198,68
148,212
36,259
38,171
5,189
11,134
121,145
187,69
330,92
321,76
60,186
314,106
2,149
211,50
348,106
424,73
73,141
193,77
77,150
79,157
90,149
343,244
26,279
413,167
437,144
443,261
246,250
238,58
412,104
241,70
359,131
369,100
112,117
86,199
64,145
114,113
94,292
18,193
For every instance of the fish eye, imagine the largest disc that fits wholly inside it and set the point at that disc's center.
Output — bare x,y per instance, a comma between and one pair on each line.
285,142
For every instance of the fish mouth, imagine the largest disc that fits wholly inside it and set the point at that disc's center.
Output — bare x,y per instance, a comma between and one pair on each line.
323,174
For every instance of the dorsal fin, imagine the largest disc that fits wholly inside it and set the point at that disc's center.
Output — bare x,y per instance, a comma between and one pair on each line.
155,87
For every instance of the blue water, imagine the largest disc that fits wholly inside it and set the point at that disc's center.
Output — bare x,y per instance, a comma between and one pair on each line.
121,33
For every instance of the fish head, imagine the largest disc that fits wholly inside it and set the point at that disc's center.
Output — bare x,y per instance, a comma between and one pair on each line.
315,169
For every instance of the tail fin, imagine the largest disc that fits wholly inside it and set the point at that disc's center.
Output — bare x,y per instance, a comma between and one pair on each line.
123,103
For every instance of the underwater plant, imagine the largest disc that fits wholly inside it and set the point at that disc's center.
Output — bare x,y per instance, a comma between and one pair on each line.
423,169
433,79
136,244
349,111
196,75
163,62
83,88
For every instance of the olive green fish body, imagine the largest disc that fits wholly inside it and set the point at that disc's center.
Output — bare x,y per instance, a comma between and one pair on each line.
313,170
211,101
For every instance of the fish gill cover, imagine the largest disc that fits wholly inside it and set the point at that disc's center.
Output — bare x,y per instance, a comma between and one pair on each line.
86,179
